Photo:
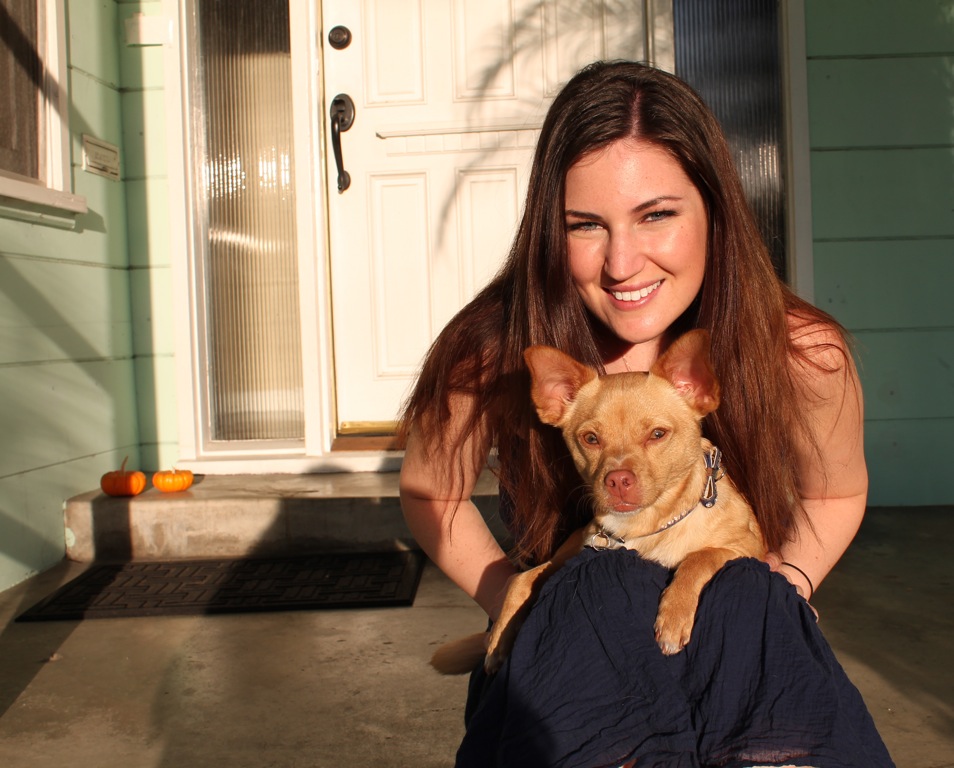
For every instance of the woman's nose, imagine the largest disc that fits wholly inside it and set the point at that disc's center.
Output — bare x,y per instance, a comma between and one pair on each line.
624,257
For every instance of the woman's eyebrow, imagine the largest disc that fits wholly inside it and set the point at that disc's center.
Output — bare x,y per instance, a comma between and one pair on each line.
656,201
637,209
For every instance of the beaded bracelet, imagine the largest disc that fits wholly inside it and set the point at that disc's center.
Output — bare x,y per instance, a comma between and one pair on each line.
811,587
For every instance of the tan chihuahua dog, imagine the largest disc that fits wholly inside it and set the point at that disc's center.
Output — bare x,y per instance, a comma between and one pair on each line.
656,484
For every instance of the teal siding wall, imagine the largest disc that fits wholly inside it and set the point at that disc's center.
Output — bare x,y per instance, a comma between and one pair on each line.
147,206
67,386
881,90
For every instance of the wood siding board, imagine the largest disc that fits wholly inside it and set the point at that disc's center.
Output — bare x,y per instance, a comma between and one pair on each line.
91,243
100,235
95,110
156,410
886,284
147,218
907,374
878,27
909,462
152,315
54,311
878,194
144,134
31,516
93,41
140,66
57,412
881,102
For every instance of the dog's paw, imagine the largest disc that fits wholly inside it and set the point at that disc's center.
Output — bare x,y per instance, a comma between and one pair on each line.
493,661
498,648
673,631
500,643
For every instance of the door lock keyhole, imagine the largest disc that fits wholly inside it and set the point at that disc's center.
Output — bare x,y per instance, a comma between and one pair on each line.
339,37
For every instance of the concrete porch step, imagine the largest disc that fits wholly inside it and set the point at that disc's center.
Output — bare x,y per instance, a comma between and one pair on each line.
249,515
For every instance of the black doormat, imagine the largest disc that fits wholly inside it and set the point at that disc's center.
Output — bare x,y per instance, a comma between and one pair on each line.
191,587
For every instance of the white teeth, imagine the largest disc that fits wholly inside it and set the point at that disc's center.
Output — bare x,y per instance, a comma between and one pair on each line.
636,295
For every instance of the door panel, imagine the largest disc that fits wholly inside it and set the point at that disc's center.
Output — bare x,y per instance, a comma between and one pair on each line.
397,218
449,98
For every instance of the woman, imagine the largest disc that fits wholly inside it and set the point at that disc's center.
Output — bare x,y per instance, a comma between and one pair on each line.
635,229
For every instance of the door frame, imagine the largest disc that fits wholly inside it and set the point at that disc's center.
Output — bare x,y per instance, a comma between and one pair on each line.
798,176
315,453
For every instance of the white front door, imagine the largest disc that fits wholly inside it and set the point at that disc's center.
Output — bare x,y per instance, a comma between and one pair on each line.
448,97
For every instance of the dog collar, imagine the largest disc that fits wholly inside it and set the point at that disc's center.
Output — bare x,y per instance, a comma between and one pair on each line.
603,539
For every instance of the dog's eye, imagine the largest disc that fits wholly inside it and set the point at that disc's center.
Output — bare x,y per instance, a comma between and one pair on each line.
657,434
591,438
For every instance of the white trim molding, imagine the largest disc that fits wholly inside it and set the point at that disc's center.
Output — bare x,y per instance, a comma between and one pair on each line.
800,264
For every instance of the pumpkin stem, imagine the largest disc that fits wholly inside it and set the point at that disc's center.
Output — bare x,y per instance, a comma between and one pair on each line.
123,467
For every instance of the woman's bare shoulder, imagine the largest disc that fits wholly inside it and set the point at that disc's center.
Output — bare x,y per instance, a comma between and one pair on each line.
820,345
831,462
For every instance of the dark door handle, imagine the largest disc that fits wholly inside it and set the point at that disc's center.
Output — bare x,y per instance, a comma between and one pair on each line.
342,118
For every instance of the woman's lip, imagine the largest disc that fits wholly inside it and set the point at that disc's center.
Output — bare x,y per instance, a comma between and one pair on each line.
632,295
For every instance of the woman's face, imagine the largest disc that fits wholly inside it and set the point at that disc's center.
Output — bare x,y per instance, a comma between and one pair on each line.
636,240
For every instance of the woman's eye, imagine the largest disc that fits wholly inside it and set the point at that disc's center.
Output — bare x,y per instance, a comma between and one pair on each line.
657,434
591,438
582,226
659,215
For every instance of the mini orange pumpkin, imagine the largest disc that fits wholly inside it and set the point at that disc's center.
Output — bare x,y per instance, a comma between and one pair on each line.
122,483
172,481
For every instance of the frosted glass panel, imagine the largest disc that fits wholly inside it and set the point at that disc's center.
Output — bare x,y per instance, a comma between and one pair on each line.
246,202
728,50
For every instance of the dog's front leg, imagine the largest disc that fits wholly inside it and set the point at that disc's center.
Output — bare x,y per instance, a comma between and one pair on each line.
522,591
677,607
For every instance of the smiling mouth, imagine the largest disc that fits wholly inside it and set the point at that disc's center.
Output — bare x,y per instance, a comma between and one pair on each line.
642,293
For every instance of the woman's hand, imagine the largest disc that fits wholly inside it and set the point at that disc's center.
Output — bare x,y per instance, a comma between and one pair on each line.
796,577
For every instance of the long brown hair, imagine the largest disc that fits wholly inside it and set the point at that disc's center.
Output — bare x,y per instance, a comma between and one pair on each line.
533,300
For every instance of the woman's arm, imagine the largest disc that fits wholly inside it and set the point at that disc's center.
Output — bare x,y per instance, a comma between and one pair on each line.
833,480
436,487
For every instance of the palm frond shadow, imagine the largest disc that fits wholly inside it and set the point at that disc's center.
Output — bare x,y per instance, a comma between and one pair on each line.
526,38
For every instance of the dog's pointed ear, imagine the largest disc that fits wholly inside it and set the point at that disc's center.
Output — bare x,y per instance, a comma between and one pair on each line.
556,379
686,365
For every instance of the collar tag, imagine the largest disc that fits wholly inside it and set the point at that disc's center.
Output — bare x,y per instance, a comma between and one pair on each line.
602,540
714,473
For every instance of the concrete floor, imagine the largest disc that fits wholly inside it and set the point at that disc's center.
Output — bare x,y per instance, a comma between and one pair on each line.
351,688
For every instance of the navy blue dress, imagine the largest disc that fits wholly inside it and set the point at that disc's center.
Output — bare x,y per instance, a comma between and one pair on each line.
586,685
